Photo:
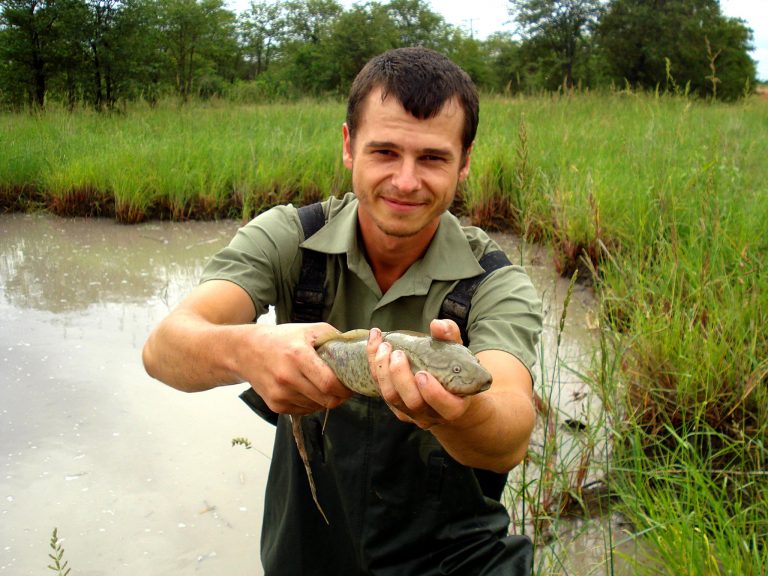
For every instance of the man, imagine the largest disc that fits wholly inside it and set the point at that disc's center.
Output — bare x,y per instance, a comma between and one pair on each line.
398,477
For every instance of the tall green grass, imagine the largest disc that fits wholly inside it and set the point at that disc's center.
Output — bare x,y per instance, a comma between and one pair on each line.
178,163
660,201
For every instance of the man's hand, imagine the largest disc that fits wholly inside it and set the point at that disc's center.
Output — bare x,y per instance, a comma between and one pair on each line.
488,430
209,340
289,375
418,398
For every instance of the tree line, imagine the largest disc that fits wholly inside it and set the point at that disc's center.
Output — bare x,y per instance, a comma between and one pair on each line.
103,53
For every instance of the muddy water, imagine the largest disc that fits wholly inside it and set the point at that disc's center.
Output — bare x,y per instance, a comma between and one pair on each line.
139,478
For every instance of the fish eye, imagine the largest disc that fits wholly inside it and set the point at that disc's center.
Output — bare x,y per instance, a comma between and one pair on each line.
456,369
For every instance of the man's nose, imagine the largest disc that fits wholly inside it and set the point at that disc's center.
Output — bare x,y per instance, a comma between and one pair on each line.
407,179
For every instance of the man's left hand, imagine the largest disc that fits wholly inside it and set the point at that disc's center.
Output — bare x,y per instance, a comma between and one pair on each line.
420,398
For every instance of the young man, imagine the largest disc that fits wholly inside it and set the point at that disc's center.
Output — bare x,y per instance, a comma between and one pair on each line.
397,477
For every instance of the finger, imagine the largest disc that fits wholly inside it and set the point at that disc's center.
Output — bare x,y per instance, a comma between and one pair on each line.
443,329
380,371
316,385
375,338
283,401
446,406
403,382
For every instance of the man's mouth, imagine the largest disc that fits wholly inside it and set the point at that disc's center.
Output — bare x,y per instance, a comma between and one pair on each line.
401,204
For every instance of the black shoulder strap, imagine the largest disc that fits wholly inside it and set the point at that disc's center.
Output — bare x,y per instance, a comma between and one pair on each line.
309,296
456,305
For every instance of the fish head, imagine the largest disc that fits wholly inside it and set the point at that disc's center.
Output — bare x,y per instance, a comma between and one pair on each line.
452,364
466,376
456,368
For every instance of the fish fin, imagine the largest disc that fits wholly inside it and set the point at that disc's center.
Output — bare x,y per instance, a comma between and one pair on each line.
299,438
320,340
325,420
413,333
351,335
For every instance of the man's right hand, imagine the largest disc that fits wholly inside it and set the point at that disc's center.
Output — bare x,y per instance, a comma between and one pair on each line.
288,374
209,340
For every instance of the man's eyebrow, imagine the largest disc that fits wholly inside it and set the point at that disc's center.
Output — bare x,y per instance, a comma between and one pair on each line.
382,144
443,152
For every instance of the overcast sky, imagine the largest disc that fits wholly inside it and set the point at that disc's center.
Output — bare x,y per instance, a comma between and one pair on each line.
484,17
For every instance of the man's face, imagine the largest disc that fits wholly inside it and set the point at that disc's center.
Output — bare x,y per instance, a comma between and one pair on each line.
405,171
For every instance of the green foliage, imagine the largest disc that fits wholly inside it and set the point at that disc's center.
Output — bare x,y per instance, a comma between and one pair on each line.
705,50
559,28
242,441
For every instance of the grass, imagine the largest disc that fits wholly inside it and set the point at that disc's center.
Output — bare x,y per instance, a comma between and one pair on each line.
177,163
659,201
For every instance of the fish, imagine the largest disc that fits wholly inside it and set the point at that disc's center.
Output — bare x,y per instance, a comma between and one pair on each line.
452,364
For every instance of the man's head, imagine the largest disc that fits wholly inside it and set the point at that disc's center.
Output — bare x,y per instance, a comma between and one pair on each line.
423,81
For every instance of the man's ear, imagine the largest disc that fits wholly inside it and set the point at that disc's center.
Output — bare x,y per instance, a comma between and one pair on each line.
464,170
347,147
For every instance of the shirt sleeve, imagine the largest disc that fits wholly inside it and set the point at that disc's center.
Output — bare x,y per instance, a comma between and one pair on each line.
262,258
506,315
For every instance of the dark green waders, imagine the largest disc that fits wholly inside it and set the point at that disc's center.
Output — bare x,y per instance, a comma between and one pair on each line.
397,504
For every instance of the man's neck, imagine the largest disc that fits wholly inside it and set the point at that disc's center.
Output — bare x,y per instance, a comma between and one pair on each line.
391,256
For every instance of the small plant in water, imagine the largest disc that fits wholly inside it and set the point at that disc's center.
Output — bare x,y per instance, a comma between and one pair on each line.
59,564
242,441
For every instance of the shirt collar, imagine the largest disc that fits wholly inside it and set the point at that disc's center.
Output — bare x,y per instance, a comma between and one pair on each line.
449,256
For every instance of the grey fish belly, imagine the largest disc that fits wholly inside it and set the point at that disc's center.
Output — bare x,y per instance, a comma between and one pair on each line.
349,361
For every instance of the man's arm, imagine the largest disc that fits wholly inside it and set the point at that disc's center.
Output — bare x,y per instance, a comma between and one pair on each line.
209,340
490,430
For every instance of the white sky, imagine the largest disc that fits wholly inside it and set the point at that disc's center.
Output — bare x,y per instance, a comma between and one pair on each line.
483,17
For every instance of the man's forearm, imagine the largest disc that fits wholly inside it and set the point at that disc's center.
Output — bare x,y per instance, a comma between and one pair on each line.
493,434
190,354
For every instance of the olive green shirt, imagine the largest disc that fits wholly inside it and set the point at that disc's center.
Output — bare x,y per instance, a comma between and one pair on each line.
265,260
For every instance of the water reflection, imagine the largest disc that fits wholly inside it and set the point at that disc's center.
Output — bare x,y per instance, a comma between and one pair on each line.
63,265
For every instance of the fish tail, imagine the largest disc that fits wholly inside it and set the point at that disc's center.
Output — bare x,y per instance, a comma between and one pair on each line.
299,438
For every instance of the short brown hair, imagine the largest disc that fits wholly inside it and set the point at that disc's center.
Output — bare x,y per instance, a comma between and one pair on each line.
423,81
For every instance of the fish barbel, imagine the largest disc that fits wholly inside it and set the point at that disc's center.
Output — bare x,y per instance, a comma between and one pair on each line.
452,364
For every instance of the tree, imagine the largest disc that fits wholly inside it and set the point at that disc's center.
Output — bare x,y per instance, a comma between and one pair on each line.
30,43
199,35
358,34
416,24
310,26
558,28
693,45
262,28
507,70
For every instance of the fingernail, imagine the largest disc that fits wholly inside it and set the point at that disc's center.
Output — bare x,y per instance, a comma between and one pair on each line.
383,348
373,334
421,379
